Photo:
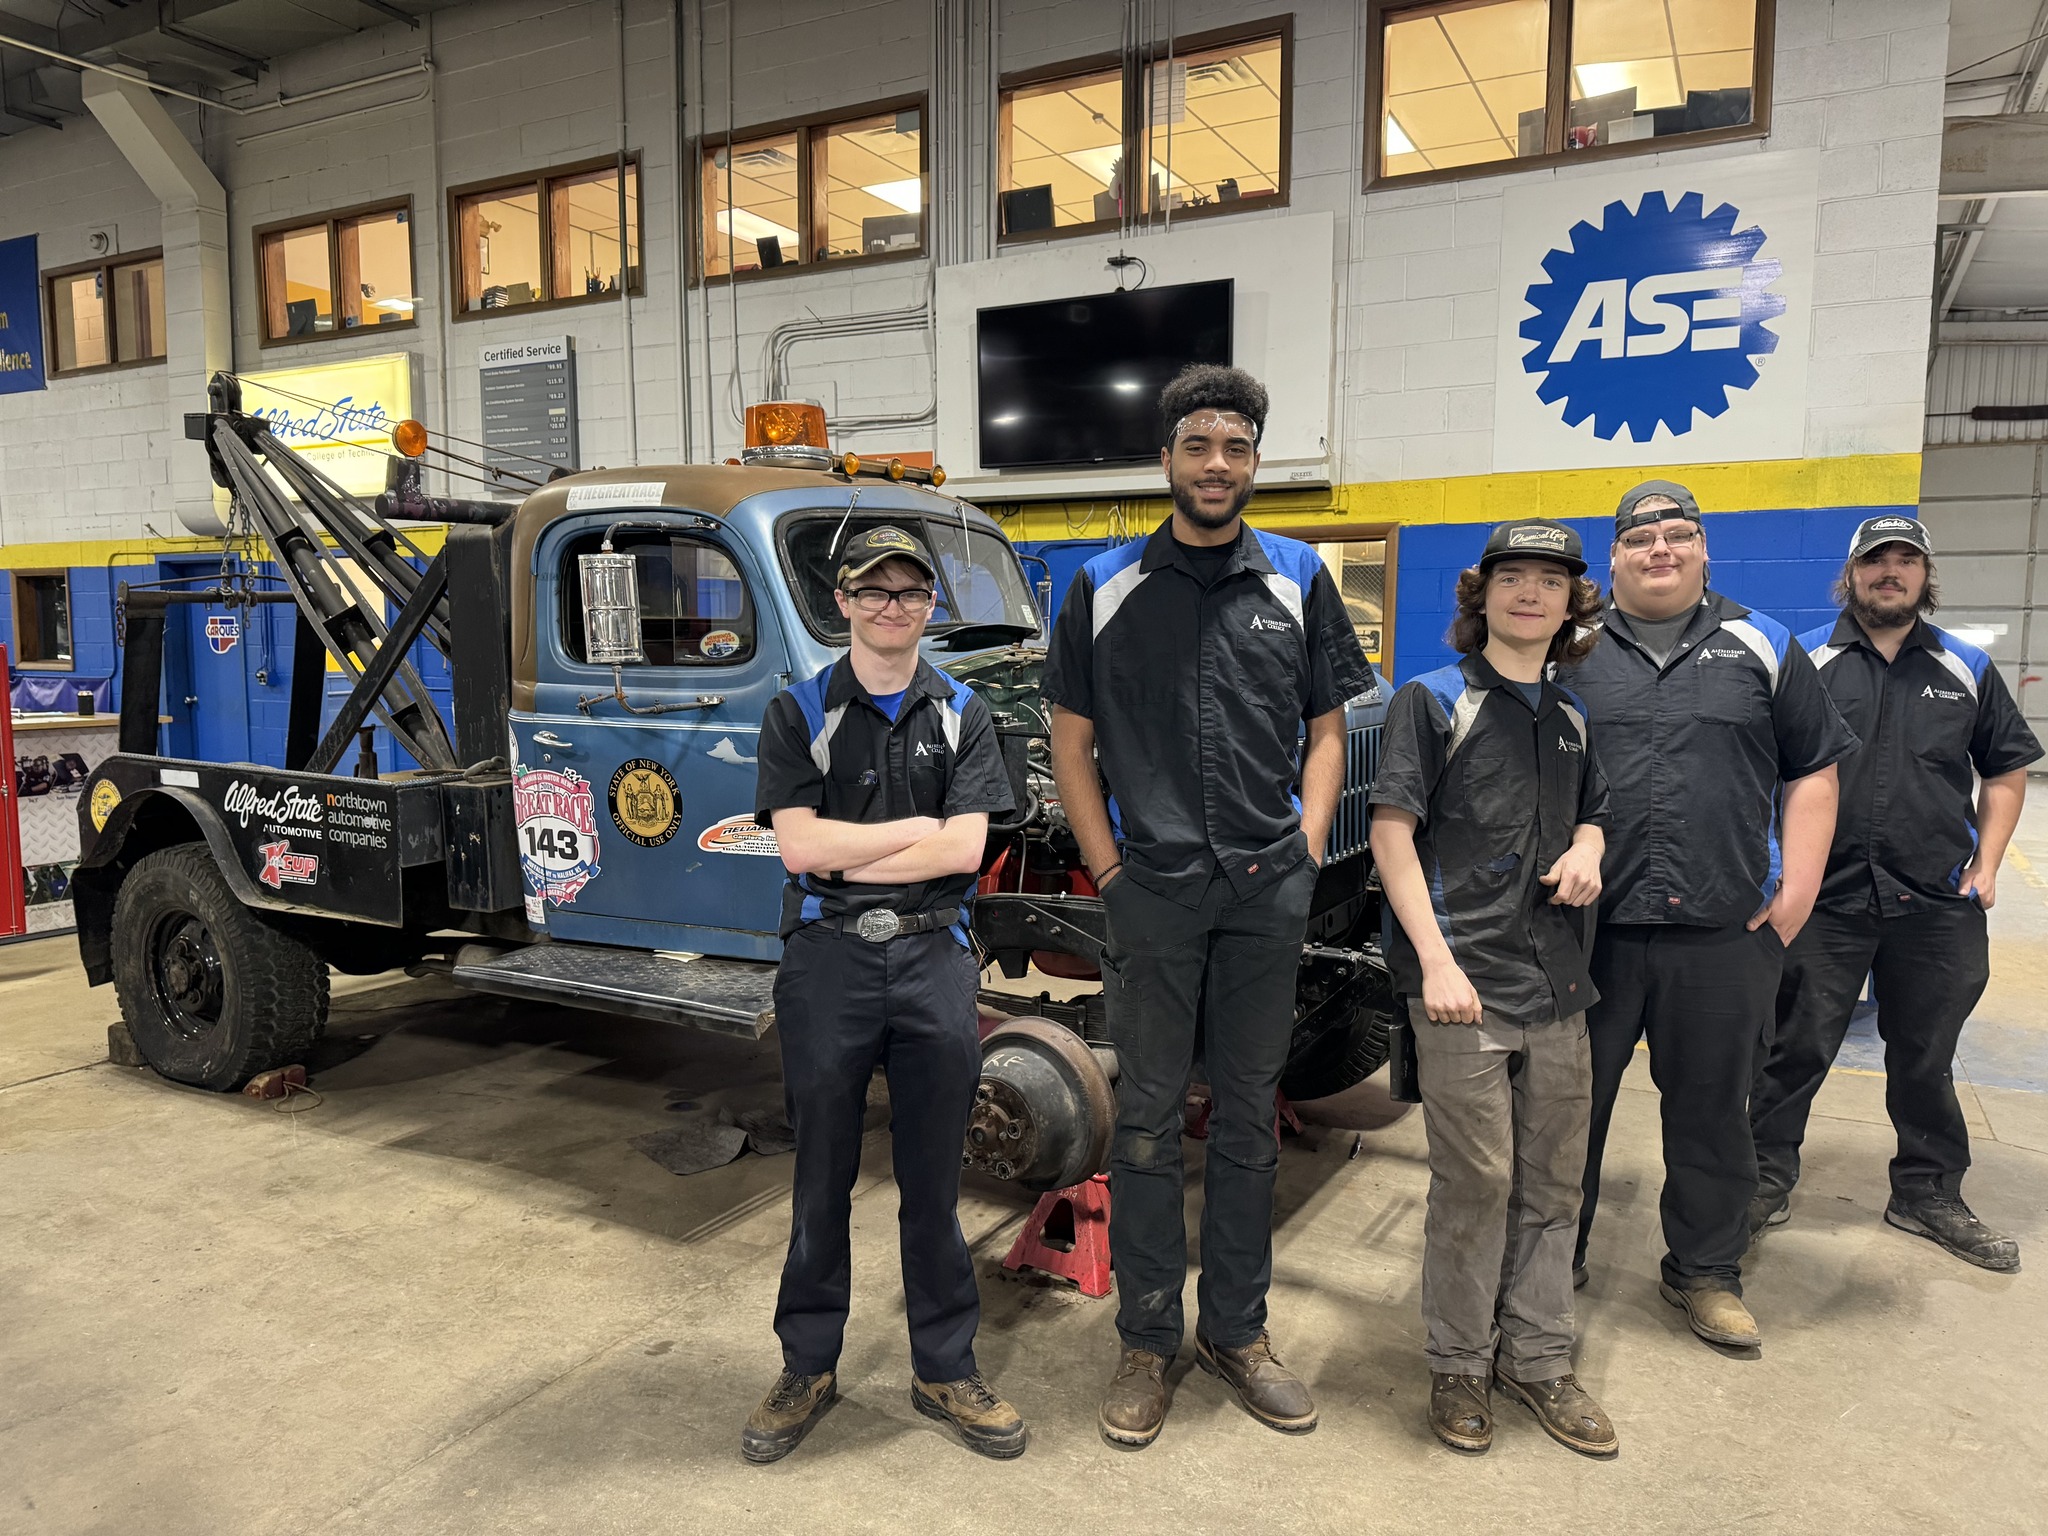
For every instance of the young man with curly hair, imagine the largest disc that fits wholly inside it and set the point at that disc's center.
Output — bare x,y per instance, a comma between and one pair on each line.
1192,660
1486,830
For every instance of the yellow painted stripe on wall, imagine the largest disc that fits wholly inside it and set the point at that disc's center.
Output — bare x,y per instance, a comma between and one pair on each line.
105,552
1855,480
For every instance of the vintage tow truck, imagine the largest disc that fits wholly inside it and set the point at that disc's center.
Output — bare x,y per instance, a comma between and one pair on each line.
579,828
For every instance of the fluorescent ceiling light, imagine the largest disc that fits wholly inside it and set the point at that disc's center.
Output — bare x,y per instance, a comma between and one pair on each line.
402,306
743,225
1980,635
907,194
1099,162
1398,143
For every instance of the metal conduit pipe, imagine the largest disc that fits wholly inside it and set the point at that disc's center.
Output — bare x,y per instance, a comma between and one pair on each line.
136,75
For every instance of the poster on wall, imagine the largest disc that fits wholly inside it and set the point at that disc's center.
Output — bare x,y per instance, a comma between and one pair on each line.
21,317
1657,315
338,416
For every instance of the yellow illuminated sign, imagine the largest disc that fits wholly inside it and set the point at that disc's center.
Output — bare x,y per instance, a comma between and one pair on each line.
338,416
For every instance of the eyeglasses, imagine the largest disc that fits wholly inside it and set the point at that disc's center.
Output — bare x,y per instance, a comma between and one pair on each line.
1681,536
875,599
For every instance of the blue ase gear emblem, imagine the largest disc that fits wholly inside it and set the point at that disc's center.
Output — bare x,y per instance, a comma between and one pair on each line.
1649,316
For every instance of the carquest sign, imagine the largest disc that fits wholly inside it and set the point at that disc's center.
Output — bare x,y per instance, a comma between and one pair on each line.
21,317
1656,316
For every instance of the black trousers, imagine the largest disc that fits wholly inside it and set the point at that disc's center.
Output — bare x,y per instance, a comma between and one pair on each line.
1702,998
843,1006
1931,969
1230,966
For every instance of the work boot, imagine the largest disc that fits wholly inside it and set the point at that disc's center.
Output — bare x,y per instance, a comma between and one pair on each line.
987,1423
1134,1407
1567,1414
786,1414
1768,1208
1716,1315
1270,1392
1580,1275
1461,1411
1944,1219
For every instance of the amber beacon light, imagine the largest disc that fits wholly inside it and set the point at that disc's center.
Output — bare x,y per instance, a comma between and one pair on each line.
786,424
409,438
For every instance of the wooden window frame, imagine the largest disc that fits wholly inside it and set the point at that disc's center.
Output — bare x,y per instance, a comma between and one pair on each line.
1354,533
106,266
1137,110
333,222
17,577
807,129
541,181
1556,102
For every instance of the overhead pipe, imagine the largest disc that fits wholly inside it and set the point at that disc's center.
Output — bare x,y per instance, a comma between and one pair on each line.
136,77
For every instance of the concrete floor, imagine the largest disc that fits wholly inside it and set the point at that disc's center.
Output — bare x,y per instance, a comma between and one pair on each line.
452,1298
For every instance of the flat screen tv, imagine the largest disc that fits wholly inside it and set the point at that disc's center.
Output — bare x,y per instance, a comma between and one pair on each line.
1077,381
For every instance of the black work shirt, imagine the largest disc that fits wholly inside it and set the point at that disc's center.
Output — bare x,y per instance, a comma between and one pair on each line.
1498,789
827,747
1937,711
1198,691
1694,752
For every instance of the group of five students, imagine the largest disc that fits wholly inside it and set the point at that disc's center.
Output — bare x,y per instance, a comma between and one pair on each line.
1669,759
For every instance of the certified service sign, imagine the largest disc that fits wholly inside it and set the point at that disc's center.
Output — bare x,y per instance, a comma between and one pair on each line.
1659,316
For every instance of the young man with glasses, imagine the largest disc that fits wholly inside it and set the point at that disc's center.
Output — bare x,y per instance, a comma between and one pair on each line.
878,776
1195,660
1708,714
1913,870
1486,834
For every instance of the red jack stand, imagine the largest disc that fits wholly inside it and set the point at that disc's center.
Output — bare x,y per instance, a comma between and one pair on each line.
1067,1235
1195,1117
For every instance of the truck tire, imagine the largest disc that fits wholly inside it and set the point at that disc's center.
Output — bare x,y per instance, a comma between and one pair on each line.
211,995
1345,1054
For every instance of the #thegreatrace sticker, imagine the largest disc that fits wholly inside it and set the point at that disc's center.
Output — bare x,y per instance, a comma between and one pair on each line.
645,802
719,644
557,834
105,796
739,834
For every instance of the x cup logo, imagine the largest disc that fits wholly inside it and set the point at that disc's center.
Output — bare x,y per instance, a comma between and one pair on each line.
282,867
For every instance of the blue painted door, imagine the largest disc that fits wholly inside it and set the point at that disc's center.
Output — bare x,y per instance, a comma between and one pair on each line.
638,829
206,672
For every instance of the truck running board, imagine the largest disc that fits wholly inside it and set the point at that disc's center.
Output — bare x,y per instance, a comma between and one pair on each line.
733,997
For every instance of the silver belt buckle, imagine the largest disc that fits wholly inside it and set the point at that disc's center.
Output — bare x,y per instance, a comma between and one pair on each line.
878,925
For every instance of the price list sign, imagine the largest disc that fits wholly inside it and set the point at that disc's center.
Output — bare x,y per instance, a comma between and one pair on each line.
529,404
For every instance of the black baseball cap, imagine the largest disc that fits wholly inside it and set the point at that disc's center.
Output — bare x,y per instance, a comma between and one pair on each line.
865,551
1889,528
1535,538
1626,517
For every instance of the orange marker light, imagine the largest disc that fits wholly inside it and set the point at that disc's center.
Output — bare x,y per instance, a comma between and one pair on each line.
895,470
849,464
786,424
409,438
938,476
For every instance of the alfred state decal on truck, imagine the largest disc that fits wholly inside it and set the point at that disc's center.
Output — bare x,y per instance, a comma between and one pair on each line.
557,817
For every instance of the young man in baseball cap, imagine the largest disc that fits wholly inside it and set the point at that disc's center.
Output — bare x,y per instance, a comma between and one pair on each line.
1486,833
1913,868
876,971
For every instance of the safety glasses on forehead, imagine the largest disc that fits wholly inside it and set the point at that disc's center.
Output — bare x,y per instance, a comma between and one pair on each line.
1228,425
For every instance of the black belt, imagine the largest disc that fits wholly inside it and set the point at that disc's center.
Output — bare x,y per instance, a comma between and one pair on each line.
878,925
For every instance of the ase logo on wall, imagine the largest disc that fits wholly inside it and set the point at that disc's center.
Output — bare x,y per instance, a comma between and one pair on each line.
1656,316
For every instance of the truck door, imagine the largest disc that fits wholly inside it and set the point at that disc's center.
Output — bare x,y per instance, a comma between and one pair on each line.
637,829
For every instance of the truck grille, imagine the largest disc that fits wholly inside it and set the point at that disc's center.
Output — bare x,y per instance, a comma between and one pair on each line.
1353,820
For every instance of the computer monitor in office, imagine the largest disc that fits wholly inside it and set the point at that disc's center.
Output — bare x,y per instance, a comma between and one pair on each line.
1027,209
891,232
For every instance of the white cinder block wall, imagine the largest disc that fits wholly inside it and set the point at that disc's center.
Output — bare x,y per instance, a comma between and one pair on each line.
521,84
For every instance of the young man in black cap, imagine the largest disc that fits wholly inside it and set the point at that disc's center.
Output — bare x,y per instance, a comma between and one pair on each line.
878,775
1913,869
1706,712
1486,834
1192,660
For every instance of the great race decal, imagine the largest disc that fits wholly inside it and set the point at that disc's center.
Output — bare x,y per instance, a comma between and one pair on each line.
222,631
646,805
557,820
739,834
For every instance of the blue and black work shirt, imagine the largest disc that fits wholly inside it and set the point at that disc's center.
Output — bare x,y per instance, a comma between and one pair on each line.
827,747
1497,789
1198,690
1928,718
1694,751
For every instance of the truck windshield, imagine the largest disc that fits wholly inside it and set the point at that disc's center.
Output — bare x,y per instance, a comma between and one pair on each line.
980,581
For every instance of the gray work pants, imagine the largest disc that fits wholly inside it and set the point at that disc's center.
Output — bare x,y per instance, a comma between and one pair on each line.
1506,1107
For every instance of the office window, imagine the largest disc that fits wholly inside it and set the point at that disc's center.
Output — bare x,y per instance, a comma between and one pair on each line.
1359,567
760,227
42,619
1467,84
546,238
338,273
1060,153
1212,126
867,185
108,315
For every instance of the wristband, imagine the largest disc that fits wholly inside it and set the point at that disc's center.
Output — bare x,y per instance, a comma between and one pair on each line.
1102,879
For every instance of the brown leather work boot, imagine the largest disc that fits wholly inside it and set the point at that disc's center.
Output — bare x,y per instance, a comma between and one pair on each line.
1716,1315
1270,1392
1568,1415
987,1423
1461,1411
1134,1407
786,1415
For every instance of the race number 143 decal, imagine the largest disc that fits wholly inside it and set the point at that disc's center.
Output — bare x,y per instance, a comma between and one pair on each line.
557,822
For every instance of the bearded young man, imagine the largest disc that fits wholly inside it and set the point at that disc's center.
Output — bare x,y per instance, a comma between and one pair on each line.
1192,661
1486,833
1913,869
